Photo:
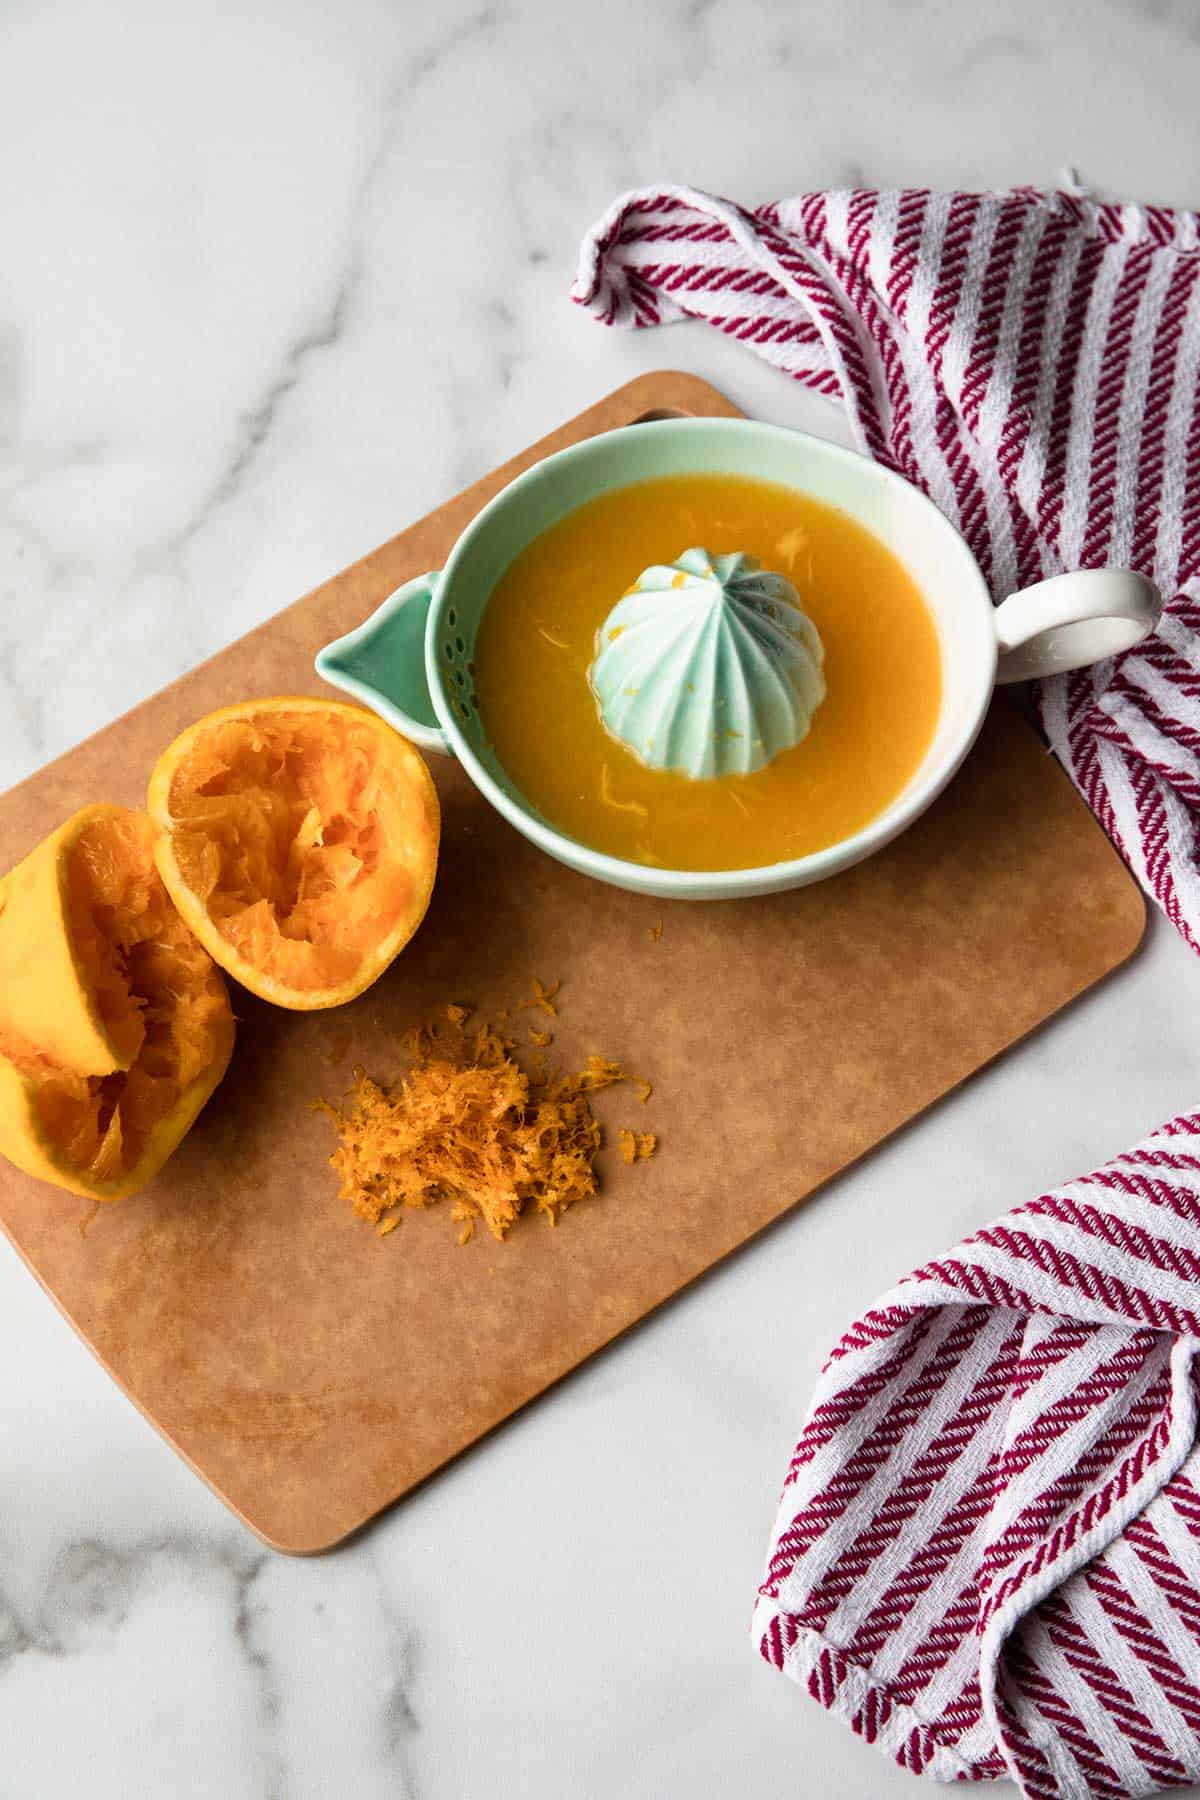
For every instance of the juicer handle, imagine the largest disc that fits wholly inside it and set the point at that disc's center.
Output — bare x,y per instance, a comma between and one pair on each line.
382,663
1072,620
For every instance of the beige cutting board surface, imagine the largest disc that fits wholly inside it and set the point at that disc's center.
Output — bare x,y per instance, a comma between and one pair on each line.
313,1372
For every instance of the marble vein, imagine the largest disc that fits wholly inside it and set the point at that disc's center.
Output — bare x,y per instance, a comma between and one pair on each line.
327,329
256,424
273,280
98,1598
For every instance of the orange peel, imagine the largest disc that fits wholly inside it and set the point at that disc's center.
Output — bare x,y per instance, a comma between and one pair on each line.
115,1026
299,840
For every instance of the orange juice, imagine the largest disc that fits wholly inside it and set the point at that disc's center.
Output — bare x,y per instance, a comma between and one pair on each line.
537,639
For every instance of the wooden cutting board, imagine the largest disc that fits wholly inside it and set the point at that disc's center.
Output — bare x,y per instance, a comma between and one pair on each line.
312,1372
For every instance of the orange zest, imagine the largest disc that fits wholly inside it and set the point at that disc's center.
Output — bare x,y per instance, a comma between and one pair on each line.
601,1073
470,1126
543,998
636,1146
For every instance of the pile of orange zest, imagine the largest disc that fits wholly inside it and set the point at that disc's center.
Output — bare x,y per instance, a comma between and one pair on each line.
467,1124
542,1038
637,1146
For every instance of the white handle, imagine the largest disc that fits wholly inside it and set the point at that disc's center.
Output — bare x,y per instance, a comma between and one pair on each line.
1072,620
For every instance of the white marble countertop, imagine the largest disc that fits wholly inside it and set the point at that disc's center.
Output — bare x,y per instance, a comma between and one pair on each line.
274,279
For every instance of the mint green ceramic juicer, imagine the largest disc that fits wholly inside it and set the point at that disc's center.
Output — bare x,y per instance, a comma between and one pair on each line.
411,659
708,666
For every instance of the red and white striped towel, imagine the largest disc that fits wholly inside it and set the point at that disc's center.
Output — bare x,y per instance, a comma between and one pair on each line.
1029,360
987,1555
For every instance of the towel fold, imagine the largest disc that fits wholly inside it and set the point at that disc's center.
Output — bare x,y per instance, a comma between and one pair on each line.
1029,360
987,1554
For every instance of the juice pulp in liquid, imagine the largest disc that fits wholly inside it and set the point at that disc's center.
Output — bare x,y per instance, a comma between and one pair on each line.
537,639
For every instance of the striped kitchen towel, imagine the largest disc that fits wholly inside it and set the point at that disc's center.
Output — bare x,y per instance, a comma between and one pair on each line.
987,1554
1031,361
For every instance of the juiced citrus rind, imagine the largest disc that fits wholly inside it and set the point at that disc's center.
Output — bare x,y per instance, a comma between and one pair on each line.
298,838
46,998
118,1028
